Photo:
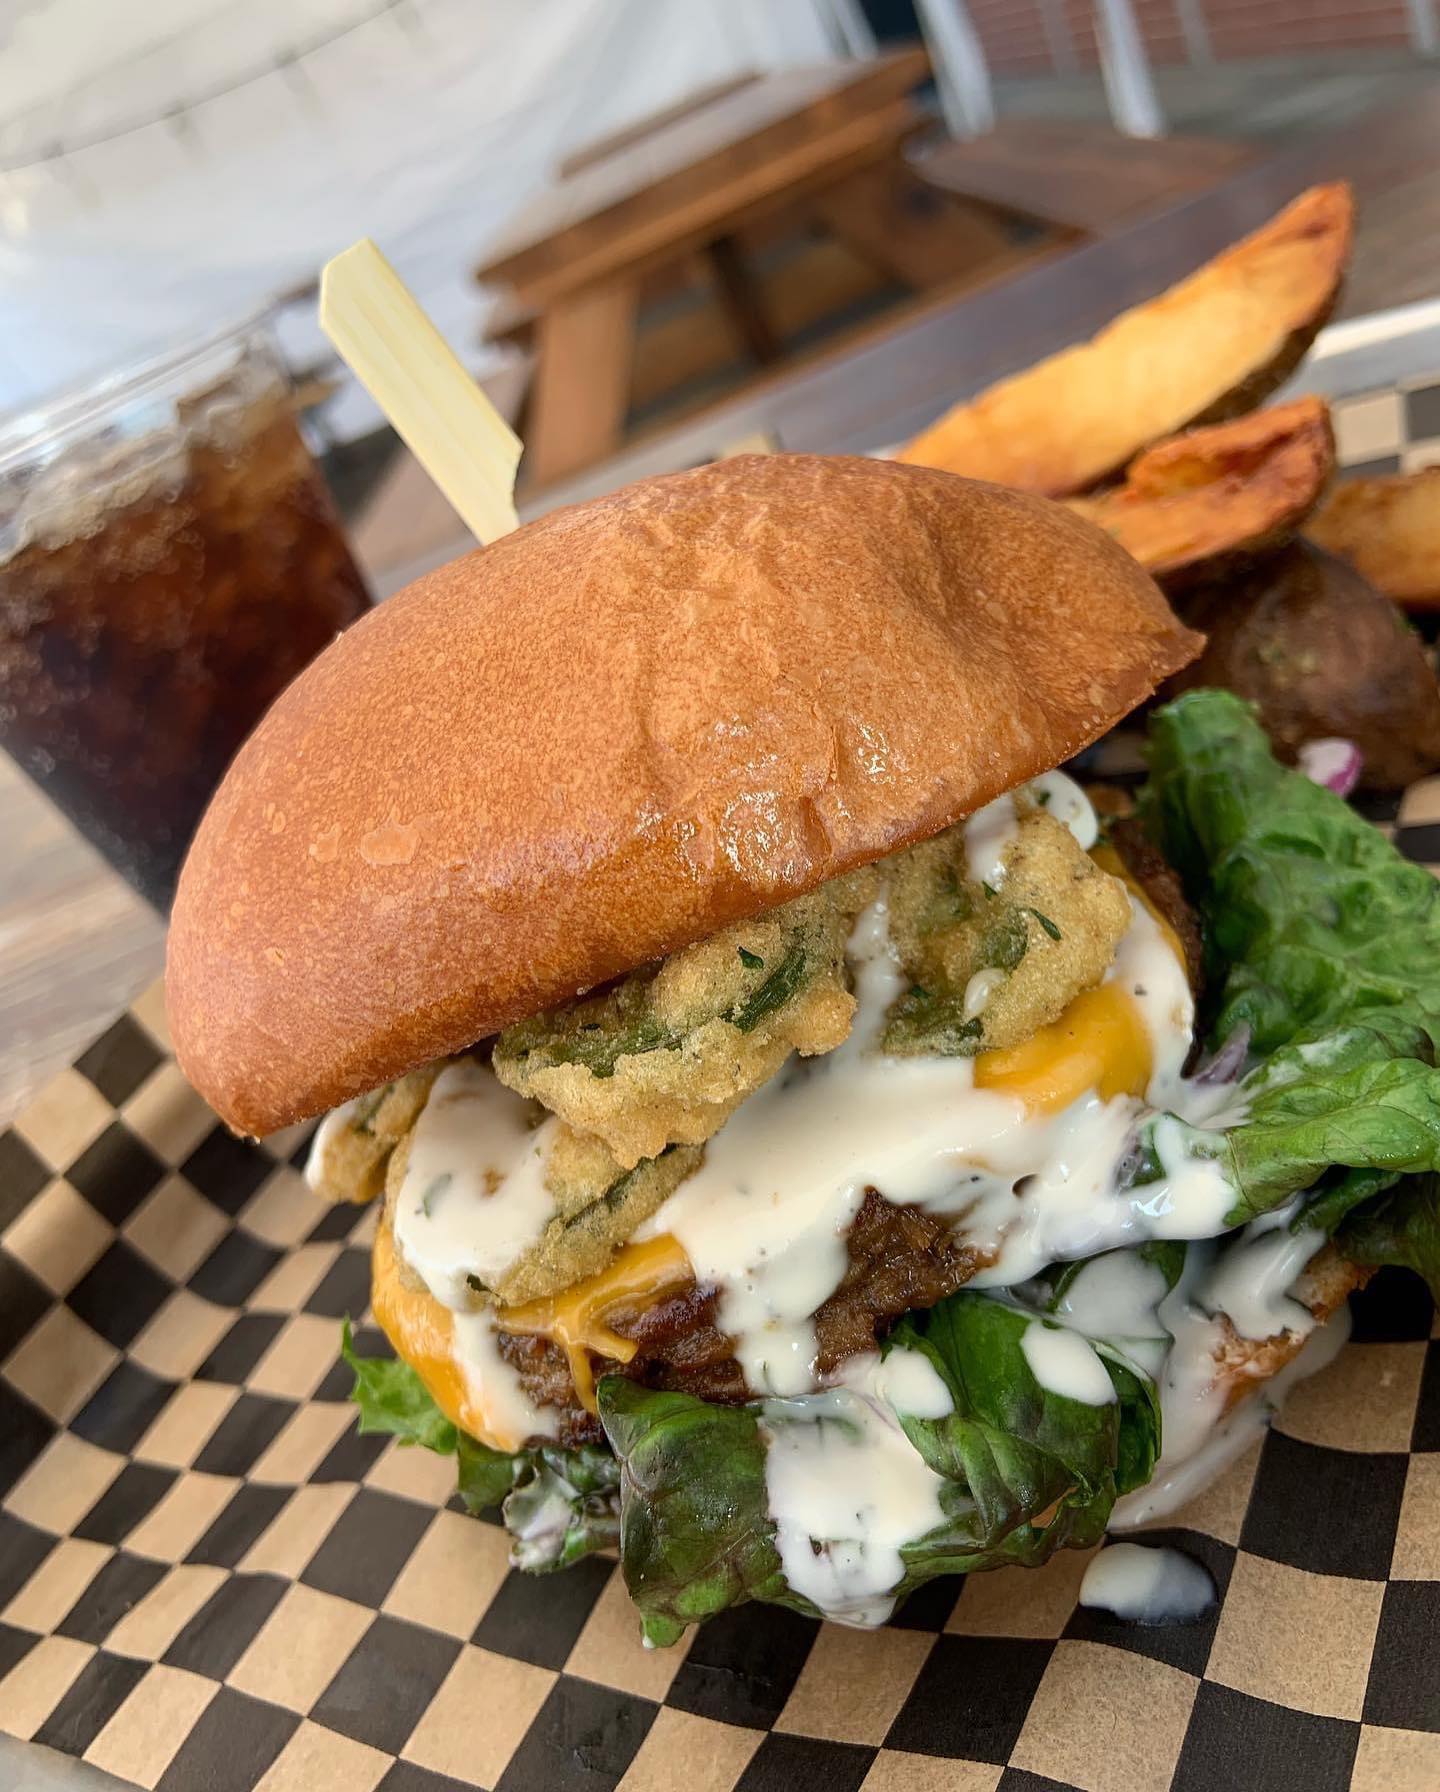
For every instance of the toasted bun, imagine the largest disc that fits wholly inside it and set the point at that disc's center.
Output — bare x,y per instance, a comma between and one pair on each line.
619,729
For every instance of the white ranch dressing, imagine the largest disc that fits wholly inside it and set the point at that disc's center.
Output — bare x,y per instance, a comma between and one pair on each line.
1146,968
495,1386
979,990
1064,1363
988,835
473,1198
1220,1440
1238,1282
536,1539
845,1487
335,1124
1148,1584
906,1380
1115,1296
1062,797
991,832
1251,1281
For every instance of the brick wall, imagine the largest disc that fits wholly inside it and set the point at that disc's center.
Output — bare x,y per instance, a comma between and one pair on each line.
1020,35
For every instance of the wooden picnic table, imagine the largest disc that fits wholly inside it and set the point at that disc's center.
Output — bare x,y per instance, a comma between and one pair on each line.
571,269
900,379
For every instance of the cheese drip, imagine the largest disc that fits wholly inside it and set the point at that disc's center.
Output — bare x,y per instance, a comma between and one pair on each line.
577,1318
455,1355
1100,1042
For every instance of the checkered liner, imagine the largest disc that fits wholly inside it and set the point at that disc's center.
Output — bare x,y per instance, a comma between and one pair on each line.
1391,431
208,1580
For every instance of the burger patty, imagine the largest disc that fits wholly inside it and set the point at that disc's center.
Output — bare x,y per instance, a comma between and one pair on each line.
900,1258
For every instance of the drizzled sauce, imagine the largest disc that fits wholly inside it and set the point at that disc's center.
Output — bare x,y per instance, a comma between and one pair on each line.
1063,1362
846,1487
1148,1584
473,1199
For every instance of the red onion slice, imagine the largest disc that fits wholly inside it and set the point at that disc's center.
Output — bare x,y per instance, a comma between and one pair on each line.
1333,762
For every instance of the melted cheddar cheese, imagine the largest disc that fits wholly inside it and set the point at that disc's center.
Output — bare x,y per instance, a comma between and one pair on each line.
1100,1042
422,1331
575,1319
423,1334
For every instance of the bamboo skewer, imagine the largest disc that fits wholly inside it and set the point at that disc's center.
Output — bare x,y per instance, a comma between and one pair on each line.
413,374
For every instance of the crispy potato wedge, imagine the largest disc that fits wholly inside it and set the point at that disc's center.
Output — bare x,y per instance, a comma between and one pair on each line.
1389,529
1210,348
1320,653
1220,494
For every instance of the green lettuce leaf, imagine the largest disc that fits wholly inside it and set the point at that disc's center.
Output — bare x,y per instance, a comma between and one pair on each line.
1401,1227
392,1397
1334,1196
558,1505
1014,1444
1349,1129
695,1535
484,1476
1026,1471
564,1504
1323,943
1314,922
1381,1118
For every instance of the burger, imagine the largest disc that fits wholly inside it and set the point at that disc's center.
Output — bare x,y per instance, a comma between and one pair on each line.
819,1146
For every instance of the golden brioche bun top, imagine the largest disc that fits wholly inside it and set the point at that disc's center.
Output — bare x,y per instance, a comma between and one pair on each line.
625,726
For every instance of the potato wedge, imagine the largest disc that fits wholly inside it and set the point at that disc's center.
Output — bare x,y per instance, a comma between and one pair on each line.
1212,347
1321,653
1389,529
1220,494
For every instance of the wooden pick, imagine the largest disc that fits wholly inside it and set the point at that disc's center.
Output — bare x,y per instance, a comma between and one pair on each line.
416,378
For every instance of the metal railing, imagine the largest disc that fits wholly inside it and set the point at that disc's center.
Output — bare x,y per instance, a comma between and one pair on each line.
962,72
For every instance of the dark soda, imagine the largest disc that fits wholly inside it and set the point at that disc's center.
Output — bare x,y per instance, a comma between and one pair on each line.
159,587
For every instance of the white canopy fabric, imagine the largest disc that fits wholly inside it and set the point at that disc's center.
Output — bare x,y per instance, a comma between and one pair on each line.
167,166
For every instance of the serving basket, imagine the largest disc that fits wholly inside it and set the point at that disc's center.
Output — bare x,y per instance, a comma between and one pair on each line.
209,1582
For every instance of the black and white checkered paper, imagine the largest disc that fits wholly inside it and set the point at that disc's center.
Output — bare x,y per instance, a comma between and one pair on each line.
210,1583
